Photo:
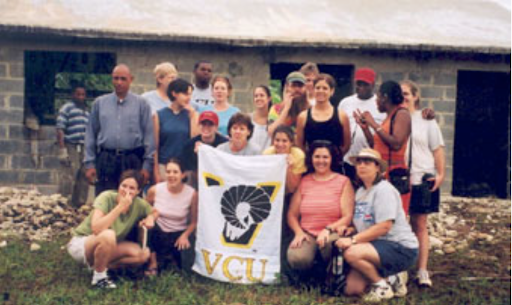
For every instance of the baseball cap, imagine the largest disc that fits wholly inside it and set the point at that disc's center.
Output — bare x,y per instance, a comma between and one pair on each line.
209,116
366,75
296,77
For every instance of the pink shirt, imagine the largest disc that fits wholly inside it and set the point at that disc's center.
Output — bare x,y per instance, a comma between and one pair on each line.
174,209
321,202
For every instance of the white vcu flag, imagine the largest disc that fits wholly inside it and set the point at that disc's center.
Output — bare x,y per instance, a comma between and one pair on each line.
240,211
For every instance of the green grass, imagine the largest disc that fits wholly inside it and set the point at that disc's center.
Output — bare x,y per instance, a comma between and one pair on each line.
50,276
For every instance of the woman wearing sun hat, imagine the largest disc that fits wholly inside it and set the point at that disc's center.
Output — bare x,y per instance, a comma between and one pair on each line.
384,245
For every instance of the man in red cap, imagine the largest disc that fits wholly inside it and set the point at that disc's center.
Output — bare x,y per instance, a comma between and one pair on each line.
363,100
208,125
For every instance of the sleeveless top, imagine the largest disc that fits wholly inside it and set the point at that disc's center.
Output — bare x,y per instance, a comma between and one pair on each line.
330,130
397,157
174,209
320,202
174,132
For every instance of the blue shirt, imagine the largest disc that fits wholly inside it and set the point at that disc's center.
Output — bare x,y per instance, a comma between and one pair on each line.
120,125
72,120
224,117
173,134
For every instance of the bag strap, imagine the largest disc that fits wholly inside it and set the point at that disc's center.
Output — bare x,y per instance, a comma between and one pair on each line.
391,133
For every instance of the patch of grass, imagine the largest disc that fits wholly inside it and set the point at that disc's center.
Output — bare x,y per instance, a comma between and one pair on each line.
50,276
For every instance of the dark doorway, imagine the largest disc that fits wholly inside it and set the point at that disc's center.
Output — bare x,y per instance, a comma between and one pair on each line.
341,73
50,75
482,138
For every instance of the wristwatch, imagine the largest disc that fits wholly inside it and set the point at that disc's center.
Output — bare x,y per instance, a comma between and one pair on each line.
353,240
329,229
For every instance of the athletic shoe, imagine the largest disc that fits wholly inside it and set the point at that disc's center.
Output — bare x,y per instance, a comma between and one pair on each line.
400,285
105,283
424,279
378,293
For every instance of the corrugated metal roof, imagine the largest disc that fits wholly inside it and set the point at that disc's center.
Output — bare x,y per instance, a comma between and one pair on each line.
471,25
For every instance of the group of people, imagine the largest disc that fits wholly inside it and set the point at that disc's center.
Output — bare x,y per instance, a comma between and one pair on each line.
354,172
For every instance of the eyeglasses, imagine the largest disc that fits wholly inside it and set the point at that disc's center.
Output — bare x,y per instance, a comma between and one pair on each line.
365,160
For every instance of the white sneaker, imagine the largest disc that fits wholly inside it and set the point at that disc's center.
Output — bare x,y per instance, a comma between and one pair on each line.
424,279
104,283
378,293
400,285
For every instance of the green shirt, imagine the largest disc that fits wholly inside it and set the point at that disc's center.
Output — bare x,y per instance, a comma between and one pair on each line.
106,202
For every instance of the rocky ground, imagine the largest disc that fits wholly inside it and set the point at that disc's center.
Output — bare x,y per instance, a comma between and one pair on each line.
460,222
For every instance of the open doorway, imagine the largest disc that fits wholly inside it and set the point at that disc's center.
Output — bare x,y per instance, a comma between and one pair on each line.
481,160
49,76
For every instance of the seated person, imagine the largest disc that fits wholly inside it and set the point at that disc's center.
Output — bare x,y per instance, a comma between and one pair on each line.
240,130
208,125
321,209
99,241
384,244
176,203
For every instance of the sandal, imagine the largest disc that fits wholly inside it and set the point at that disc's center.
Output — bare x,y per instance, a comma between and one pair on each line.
151,272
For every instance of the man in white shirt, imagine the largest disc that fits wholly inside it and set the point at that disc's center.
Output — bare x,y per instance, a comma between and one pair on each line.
363,100
202,94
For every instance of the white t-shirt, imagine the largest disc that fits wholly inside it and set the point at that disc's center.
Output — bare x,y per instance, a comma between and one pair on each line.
260,137
351,104
426,137
381,203
249,150
155,101
201,97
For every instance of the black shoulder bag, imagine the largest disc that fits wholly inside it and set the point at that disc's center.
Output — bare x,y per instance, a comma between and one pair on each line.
400,177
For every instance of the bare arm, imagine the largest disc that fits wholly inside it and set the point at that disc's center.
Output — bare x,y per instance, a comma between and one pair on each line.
374,232
440,162
150,197
193,213
301,124
401,130
156,129
101,221
287,105
194,130
346,131
358,116
293,213
60,138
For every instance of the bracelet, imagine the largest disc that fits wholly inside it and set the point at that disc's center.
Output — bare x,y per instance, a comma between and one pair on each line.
353,240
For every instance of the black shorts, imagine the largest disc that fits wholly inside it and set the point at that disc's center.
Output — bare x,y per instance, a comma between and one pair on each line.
162,243
423,201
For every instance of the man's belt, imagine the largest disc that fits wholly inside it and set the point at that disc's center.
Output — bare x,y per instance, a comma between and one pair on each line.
122,152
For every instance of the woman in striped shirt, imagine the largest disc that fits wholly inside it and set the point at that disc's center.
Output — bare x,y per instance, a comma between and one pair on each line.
321,209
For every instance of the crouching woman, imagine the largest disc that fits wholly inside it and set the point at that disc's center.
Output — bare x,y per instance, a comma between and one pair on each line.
100,242
384,245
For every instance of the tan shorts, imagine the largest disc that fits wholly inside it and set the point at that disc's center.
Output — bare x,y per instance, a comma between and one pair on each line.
76,248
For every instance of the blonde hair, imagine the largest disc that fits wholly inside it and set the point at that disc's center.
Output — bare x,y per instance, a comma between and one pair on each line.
164,69
415,90
308,68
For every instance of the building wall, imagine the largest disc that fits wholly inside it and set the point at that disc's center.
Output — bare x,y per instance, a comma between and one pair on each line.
247,68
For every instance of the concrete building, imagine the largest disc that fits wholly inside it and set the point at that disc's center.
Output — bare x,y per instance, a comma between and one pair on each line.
457,50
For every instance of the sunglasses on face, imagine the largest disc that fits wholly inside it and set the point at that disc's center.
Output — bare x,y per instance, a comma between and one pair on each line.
365,160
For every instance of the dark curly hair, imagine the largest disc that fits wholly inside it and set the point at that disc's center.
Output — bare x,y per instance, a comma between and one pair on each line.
392,91
333,151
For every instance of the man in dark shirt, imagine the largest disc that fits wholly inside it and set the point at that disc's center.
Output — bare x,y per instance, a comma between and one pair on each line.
208,124
119,135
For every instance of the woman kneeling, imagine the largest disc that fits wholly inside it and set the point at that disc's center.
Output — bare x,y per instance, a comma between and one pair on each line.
176,203
321,209
385,244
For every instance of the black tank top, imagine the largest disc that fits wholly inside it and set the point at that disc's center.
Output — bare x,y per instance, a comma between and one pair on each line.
330,130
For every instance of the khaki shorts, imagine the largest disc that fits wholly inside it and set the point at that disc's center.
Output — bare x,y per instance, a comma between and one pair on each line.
76,248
